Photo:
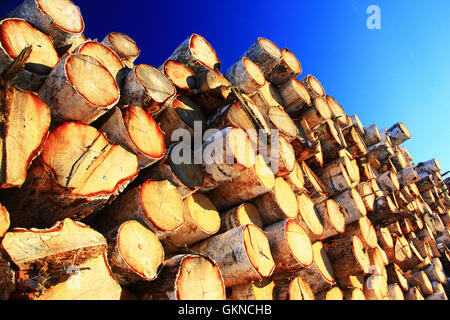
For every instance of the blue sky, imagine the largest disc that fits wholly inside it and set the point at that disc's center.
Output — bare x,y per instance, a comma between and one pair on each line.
398,73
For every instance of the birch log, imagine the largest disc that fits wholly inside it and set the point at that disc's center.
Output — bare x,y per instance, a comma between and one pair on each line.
125,47
265,54
246,75
287,68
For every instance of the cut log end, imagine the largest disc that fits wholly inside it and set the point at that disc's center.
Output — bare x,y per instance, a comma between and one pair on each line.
181,76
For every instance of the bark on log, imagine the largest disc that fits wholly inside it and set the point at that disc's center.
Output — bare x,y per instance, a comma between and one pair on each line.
83,81
435,272
7,279
253,290
408,176
353,204
428,168
363,228
290,247
355,142
371,135
187,176
185,277
320,275
335,177
348,255
293,289
414,294
78,172
15,35
439,292
265,54
399,133
388,182
125,47
332,218
313,86
280,203
421,280
316,189
354,294
242,254
287,68
147,87
309,218
136,130
225,155
181,76
252,183
351,281
317,113
267,96
61,20
196,53
396,275
26,117
134,253
296,98
246,75
201,220
244,214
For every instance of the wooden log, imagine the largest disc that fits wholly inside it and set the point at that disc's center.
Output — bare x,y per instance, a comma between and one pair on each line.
353,204
339,116
421,280
414,294
317,113
224,156
399,133
388,182
147,87
91,280
106,56
385,239
253,290
267,96
61,20
250,184
83,179
407,155
368,195
7,279
320,275
335,177
293,289
363,228
313,86
395,292
134,253
278,119
296,179
295,97
280,155
280,203
42,257
375,287
4,221
15,35
351,281
381,151
83,81
377,262
439,292
354,294
242,254
181,76
183,114
401,252
435,272
125,47
185,277
214,92
356,122
408,176
396,275
290,247
371,135
265,54
355,142
201,220
332,218
425,183
316,189
287,68
246,75
136,130
309,218
332,294
25,117
246,213
196,53
187,176
428,167
348,255
330,141
398,159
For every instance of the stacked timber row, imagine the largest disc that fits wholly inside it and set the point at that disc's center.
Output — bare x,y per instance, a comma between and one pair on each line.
280,194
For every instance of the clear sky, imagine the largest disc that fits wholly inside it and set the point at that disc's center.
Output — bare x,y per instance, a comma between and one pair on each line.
400,72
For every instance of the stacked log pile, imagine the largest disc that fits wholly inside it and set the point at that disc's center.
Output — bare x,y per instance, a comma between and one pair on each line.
279,195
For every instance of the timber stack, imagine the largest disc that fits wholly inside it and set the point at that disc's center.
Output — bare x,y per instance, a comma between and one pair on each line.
285,197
